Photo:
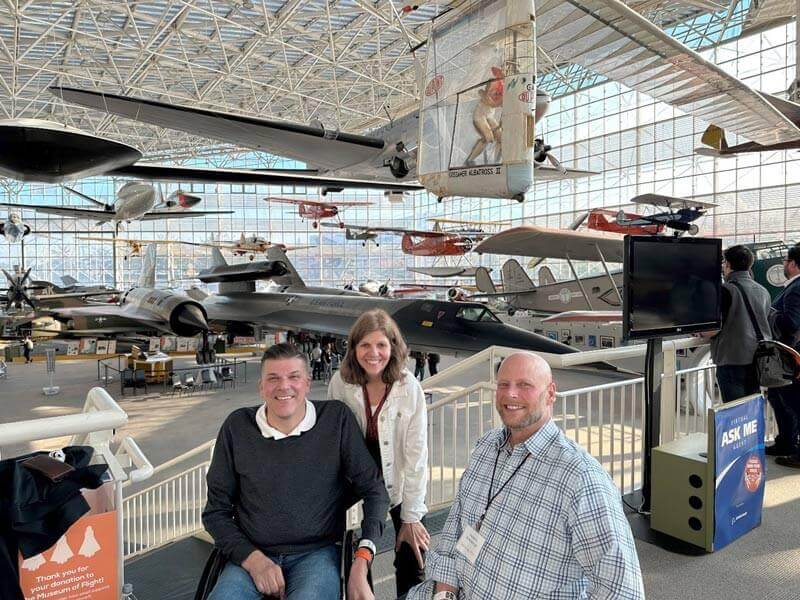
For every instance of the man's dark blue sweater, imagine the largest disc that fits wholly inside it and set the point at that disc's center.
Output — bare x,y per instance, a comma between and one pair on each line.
290,495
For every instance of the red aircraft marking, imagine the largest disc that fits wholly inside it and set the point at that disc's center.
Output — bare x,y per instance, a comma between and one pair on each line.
597,220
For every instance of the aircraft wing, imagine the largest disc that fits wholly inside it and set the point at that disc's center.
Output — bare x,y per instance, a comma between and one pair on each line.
181,214
76,213
610,38
445,271
531,240
258,177
310,144
549,173
670,202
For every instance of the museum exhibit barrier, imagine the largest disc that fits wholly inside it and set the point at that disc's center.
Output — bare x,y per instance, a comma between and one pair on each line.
607,419
213,376
94,426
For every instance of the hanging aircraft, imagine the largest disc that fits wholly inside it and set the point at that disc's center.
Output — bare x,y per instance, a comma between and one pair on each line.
37,150
14,229
359,235
598,219
135,200
543,242
245,245
435,242
475,132
679,216
140,310
316,210
715,144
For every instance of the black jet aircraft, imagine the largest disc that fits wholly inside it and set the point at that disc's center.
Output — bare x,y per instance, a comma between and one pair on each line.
456,328
140,310
36,150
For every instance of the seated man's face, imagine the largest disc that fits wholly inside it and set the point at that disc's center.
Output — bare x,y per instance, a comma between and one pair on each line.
525,393
284,385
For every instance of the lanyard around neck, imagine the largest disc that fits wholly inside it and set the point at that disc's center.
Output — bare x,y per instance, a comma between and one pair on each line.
491,498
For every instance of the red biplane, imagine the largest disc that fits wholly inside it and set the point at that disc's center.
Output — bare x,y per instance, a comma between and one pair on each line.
316,210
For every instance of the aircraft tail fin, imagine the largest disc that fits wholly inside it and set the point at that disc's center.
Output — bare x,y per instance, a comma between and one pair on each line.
68,281
714,138
515,279
483,281
195,293
217,259
546,276
147,278
292,278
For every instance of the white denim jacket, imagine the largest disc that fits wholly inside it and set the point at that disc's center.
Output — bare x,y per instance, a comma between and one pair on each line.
403,437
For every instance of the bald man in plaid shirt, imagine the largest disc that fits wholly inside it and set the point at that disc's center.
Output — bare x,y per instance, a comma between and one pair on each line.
535,516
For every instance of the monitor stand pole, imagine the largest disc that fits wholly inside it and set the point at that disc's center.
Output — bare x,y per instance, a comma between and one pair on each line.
638,502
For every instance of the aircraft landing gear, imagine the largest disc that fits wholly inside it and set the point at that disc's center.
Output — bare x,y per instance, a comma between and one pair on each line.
363,244
694,229
315,225
341,225
519,197
439,199
205,354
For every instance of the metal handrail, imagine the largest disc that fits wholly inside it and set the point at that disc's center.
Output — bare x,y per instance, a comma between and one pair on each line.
623,441
100,412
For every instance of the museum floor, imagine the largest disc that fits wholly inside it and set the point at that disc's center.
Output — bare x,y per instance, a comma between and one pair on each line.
765,564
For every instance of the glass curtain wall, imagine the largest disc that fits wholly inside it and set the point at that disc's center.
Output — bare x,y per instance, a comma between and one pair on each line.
635,144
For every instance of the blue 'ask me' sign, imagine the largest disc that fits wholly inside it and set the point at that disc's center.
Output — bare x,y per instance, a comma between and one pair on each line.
739,469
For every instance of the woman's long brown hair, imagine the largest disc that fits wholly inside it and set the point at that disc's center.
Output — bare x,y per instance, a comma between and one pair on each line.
374,320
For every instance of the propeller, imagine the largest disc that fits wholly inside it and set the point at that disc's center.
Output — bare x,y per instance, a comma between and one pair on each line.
16,293
541,152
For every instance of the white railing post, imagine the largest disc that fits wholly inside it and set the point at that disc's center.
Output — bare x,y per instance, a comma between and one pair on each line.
669,395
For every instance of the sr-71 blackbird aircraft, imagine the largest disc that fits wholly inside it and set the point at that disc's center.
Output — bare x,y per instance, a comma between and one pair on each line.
428,325
141,309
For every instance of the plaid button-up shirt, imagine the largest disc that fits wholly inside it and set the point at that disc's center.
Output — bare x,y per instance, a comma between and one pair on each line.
556,531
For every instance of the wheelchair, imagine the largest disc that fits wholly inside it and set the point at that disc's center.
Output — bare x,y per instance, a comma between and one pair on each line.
216,563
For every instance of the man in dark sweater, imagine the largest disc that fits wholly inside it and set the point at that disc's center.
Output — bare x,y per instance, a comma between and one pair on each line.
281,479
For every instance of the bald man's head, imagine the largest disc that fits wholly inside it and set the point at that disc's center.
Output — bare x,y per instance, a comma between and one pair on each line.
525,394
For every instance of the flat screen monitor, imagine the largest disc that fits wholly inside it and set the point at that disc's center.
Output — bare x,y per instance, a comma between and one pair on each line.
671,286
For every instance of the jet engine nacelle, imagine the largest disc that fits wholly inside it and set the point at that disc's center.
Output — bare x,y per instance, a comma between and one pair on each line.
457,294
186,317
180,199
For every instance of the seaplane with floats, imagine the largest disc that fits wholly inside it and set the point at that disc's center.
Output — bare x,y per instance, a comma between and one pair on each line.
680,217
475,131
135,201
317,210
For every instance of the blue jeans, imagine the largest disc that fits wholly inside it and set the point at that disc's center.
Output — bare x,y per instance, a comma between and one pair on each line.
312,574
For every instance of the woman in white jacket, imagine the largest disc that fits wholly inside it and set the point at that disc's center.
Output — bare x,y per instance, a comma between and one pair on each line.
389,405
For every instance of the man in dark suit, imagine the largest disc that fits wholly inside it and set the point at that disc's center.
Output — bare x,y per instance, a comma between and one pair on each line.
785,401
